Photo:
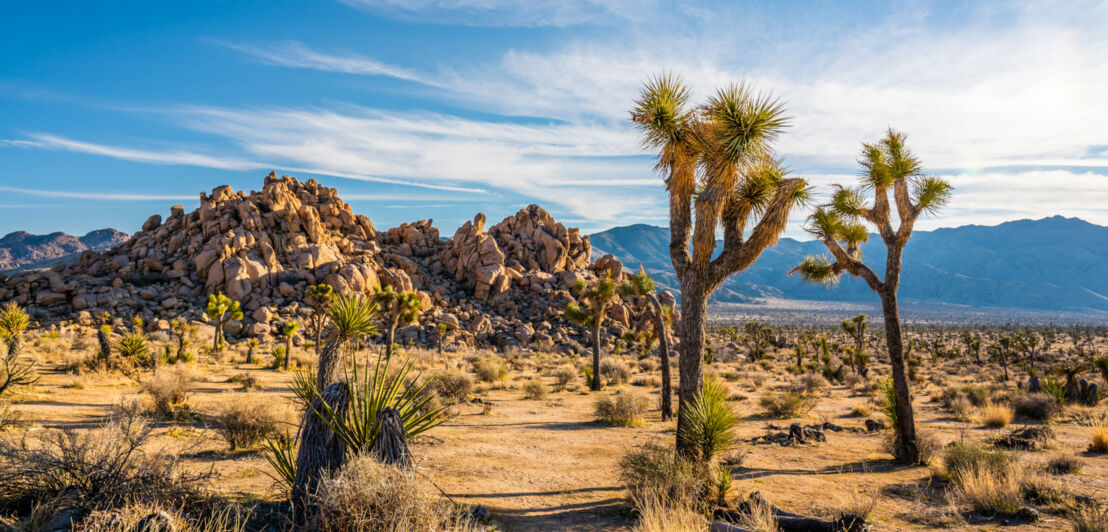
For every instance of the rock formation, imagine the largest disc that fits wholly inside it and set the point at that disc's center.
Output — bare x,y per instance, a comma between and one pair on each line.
503,287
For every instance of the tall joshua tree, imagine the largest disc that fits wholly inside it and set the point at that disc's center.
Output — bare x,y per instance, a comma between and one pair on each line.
856,328
718,162
288,330
641,285
590,310
887,166
222,309
398,307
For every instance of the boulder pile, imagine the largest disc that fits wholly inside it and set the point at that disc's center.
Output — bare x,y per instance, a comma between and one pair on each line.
505,287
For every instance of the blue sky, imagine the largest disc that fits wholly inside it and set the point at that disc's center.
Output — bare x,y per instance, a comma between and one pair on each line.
113,111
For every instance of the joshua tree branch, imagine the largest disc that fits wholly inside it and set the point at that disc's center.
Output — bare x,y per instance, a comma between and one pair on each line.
856,267
904,206
880,215
734,223
680,216
765,233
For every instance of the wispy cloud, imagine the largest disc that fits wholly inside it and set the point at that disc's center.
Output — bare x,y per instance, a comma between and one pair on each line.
503,12
54,142
297,55
110,196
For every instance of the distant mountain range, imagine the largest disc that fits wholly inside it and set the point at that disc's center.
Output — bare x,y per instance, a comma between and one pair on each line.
1054,263
20,250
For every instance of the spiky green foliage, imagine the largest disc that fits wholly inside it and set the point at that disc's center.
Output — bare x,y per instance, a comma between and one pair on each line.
280,452
222,309
712,421
318,297
13,323
353,316
886,400
370,392
403,307
134,345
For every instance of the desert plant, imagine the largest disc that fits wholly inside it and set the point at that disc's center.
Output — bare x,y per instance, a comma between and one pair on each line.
243,423
1037,406
135,346
718,159
251,345
222,309
452,385
711,421
786,405
564,375
168,391
856,328
756,336
1090,518
641,285
534,389
590,309
888,166
622,409
318,297
183,333
809,383
397,307
886,401
652,471
996,416
1098,440
14,369
491,368
352,317
614,370
288,330
1063,464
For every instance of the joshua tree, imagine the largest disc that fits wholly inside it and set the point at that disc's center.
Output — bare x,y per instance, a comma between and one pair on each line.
642,286
251,345
973,345
398,307
1001,351
318,297
183,332
718,161
756,336
352,317
440,335
289,331
1101,364
888,166
856,328
590,309
222,309
13,323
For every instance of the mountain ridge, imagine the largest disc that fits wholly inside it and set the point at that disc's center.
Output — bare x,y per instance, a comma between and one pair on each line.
23,250
1052,263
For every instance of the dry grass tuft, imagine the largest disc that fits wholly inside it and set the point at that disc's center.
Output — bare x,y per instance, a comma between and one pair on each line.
1090,518
244,421
787,405
996,416
658,515
168,390
452,385
491,368
623,409
369,495
1036,406
614,370
534,389
1098,440
563,376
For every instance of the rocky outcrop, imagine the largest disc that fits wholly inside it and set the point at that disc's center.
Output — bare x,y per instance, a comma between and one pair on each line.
505,286
24,250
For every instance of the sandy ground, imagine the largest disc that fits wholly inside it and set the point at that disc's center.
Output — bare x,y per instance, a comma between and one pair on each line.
548,465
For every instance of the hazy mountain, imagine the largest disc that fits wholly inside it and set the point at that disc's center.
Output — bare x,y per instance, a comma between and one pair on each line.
1054,263
20,250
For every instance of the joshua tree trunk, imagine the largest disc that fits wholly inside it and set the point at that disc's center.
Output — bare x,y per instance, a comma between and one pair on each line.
596,383
218,340
663,352
905,447
320,450
390,338
694,313
288,350
106,345
329,361
318,334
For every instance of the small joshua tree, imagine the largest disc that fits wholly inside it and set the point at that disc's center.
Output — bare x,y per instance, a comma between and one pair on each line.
756,336
14,321
642,286
440,336
590,309
856,328
888,167
183,333
288,330
318,297
397,307
973,345
222,309
251,345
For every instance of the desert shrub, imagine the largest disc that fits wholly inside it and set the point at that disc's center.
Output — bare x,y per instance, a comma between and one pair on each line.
9,417
657,515
809,384
961,408
1090,518
786,405
996,416
245,380
648,365
614,370
653,473
1098,440
651,381
368,495
534,389
491,369
886,400
1054,387
1037,406
710,421
926,443
988,481
976,395
1063,464
860,411
101,468
452,386
278,360
245,422
959,459
853,380
622,409
168,390
760,518
563,376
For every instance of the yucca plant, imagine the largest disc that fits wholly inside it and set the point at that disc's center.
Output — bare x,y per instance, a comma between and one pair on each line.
711,421
369,393
135,346
352,317
280,452
886,400
318,298
13,322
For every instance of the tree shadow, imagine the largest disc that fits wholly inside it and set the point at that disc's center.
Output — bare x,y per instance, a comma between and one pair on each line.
600,514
